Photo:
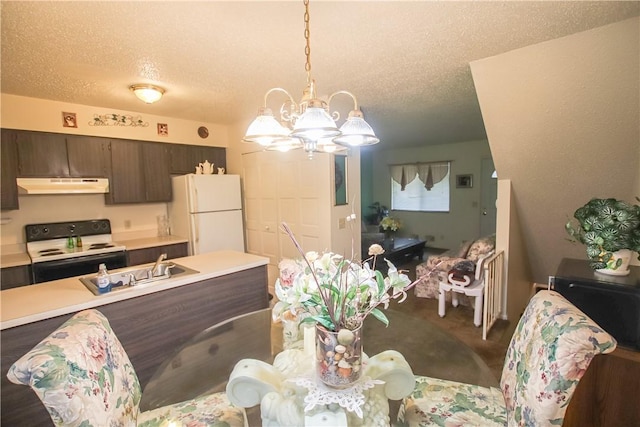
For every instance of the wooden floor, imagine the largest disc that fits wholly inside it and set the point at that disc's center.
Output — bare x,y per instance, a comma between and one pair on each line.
458,321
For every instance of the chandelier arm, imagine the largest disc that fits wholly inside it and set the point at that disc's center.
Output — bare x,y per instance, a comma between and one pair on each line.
277,89
346,92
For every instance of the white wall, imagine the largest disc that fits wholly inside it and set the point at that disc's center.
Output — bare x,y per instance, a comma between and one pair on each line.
563,123
462,222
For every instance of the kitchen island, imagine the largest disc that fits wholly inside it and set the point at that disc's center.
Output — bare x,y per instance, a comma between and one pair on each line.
151,320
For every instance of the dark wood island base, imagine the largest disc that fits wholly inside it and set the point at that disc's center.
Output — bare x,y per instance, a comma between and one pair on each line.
150,327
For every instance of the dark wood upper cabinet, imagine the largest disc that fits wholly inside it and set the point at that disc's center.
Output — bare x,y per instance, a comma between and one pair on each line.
139,172
42,154
185,158
155,167
9,171
88,156
126,183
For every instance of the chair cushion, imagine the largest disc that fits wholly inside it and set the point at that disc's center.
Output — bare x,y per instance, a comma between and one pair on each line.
436,402
208,410
480,247
550,350
82,374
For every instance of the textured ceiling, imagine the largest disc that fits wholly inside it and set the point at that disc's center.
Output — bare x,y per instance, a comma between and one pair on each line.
407,62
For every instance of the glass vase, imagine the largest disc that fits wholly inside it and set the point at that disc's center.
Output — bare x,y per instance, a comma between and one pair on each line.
292,331
338,356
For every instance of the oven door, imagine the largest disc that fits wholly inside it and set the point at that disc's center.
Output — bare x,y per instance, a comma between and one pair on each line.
71,267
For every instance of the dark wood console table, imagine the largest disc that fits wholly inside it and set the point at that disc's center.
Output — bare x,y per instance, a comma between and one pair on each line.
608,393
400,250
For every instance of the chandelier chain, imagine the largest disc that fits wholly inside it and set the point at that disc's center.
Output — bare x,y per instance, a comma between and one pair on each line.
307,48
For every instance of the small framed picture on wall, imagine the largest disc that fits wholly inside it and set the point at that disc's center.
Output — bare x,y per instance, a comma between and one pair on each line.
69,120
340,179
464,181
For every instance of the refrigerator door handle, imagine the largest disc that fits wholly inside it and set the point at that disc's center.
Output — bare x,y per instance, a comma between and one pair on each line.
195,199
196,229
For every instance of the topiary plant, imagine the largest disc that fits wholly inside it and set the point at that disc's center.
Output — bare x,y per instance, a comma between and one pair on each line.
606,226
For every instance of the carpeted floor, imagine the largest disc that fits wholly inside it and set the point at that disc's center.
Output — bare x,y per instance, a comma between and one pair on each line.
458,321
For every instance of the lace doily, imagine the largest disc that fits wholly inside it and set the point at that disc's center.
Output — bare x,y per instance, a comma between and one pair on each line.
350,398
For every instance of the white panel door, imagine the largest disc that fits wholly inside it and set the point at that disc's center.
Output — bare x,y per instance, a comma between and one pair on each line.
261,213
215,231
489,194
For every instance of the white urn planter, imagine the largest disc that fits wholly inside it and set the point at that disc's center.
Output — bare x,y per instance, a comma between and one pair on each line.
615,267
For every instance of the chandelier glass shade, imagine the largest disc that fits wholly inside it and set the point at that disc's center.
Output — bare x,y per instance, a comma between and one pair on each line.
309,123
147,93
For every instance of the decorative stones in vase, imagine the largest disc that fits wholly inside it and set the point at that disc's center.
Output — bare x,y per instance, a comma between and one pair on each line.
338,356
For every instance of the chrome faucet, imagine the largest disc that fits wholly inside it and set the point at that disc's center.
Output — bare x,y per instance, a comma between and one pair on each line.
161,258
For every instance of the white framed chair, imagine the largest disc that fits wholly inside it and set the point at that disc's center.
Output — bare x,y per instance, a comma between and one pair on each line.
83,377
551,349
471,286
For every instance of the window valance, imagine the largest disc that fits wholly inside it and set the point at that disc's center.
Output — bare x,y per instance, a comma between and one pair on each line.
428,173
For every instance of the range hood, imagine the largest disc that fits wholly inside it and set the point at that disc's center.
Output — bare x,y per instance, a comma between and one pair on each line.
62,185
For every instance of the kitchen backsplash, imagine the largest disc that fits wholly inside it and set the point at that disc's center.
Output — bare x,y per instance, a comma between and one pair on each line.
136,220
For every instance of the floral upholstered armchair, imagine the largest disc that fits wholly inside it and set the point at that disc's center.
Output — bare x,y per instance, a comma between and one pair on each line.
428,287
83,376
550,351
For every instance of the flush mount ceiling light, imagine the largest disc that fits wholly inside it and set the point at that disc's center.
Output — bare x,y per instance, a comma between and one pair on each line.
308,123
147,93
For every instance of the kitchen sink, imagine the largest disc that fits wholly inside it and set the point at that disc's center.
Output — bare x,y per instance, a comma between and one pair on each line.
138,276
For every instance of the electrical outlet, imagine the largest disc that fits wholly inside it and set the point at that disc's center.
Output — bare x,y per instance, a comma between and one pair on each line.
342,223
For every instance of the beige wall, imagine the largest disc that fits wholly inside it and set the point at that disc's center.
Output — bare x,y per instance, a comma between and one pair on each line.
509,238
19,112
463,220
563,123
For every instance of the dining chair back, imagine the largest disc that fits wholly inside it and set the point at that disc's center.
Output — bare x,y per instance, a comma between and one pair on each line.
550,350
83,376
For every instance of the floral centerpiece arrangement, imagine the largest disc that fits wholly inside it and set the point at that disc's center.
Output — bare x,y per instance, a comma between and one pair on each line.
337,294
390,223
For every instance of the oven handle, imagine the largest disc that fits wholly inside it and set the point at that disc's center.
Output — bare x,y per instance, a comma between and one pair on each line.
97,257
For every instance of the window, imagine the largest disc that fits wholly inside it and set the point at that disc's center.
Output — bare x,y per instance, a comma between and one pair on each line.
420,187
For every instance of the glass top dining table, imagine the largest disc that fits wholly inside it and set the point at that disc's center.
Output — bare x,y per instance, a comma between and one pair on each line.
204,363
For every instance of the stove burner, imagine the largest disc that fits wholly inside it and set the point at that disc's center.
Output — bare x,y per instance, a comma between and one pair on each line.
100,245
51,252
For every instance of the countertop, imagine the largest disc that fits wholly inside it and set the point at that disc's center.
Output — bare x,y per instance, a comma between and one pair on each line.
17,259
14,260
27,304
151,242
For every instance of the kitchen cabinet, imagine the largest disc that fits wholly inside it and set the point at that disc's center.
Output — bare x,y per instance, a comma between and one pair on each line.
88,156
41,154
12,277
184,158
9,171
139,172
126,183
148,255
155,166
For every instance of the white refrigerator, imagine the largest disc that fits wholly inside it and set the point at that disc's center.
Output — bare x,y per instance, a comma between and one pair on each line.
207,209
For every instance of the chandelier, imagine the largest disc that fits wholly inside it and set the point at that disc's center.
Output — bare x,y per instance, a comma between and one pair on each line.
308,123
